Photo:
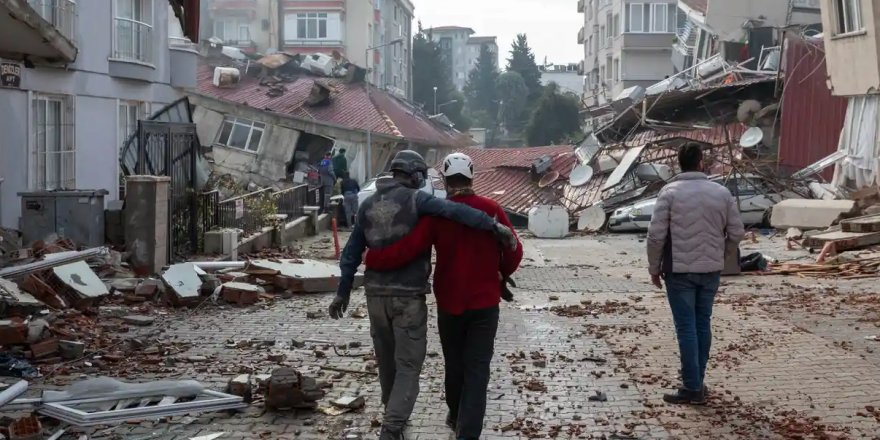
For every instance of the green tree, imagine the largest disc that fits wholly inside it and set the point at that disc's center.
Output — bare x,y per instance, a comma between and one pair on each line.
522,61
556,117
513,96
430,70
480,87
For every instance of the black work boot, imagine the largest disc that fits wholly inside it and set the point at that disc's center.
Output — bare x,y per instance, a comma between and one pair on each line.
451,422
686,397
391,434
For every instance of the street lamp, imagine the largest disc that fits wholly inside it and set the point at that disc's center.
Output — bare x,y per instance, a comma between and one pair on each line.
367,86
435,100
454,101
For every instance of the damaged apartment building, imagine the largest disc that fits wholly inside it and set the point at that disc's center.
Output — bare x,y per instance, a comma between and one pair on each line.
269,120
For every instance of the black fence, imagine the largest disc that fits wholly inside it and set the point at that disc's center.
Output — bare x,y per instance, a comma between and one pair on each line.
254,211
292,201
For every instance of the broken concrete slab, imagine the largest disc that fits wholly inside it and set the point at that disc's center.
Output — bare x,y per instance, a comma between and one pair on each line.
183,281
14,301
69,350
308,276
82,283
242,294
241,386
843,241
808,214
37,286
125,285
349,402
138,320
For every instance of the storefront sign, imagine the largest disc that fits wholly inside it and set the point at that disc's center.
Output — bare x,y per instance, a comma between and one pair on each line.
10,75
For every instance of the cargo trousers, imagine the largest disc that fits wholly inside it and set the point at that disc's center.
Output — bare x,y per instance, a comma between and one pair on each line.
399,328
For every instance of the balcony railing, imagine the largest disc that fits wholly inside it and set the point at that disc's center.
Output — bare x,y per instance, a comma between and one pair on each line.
581,6
581,36
133,40
60,13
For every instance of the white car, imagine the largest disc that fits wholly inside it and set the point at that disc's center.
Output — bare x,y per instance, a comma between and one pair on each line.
755,200
429,187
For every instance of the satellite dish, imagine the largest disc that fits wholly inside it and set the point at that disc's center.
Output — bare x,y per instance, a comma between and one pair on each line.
591,219
548,178
580,175
751,137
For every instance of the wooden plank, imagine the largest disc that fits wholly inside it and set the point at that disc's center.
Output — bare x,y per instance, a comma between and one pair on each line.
868,223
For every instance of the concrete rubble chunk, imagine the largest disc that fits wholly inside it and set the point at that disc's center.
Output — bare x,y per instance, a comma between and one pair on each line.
81,285
808,214
138,320
350,402
12,332
69,350
12,296
241,294
125,285
241,386
183,281
288,389
306,276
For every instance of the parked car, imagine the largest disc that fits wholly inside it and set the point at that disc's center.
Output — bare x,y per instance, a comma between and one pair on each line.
755,200
431,187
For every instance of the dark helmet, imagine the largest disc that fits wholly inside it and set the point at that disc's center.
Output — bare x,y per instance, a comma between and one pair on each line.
410,163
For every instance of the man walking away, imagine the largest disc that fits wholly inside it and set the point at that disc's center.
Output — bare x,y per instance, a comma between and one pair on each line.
340,163
350,190
694,219
468,293
328,181
396,299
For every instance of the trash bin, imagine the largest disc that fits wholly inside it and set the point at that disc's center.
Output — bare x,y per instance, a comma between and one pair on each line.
77,215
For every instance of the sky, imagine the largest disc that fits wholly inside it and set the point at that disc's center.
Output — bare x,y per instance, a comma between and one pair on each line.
551,25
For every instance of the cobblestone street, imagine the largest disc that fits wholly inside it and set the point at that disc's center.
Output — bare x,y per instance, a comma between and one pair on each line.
790,358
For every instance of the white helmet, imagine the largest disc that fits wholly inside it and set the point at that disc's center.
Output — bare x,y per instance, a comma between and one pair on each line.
458,163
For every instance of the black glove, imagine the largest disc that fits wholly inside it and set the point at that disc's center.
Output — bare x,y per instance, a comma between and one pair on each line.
506,294
338,307
505,236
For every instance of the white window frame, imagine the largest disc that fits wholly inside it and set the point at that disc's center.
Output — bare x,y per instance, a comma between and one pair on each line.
655,11
140,47
302,32
243,124
40,175
848,13
126,126
630,28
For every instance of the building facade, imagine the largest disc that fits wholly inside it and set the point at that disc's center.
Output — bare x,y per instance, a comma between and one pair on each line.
251,25
462,50
569,77
77,77
626,44
851,46
394,71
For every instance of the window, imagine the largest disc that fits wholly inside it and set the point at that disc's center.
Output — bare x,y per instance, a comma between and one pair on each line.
618,75
650,18
602,72
849,16
129,114
602,36
242,134
609,69
311,26
54,154
609,27
133,30
616,25
231,30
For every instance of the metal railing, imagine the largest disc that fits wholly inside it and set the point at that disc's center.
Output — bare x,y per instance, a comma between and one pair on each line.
248,212
60,13
133,40
291,201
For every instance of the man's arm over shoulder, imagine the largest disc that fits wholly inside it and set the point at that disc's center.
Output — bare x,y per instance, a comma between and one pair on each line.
658,232
412,245
350,260
510,260
734,228
457,212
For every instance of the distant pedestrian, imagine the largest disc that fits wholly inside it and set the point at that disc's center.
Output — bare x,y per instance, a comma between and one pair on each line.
350,189
340,163
694,220
328,180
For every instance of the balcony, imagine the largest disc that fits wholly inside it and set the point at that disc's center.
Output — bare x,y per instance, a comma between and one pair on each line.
581,7
581,36
134,41
38,30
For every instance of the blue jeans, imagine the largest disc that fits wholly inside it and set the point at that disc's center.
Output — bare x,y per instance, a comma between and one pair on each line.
691,296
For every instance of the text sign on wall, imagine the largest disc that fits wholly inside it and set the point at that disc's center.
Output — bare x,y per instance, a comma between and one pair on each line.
10,75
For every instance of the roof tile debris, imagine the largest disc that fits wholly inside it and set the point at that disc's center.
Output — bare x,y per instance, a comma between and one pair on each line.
345,104
697,5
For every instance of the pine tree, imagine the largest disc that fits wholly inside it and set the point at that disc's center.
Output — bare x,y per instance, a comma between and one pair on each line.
431,70
480,87
555,118
522,61
513,97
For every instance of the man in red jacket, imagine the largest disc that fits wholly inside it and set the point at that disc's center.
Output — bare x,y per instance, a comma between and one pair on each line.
470,271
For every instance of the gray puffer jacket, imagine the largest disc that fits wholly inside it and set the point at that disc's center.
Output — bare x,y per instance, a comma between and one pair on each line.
694,218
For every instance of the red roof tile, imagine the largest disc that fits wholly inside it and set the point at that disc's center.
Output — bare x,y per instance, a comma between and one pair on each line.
349,107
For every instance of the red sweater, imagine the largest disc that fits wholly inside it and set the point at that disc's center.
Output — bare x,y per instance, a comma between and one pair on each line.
469,262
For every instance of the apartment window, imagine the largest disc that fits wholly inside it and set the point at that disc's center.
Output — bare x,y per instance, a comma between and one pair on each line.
242,134
650,18
54,152
618,75
602,36
609,69
602,72
849,16
311,26
133,30
129,114
609,26
232,30
616,25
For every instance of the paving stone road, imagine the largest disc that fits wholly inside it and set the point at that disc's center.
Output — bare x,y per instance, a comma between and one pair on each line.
790,358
